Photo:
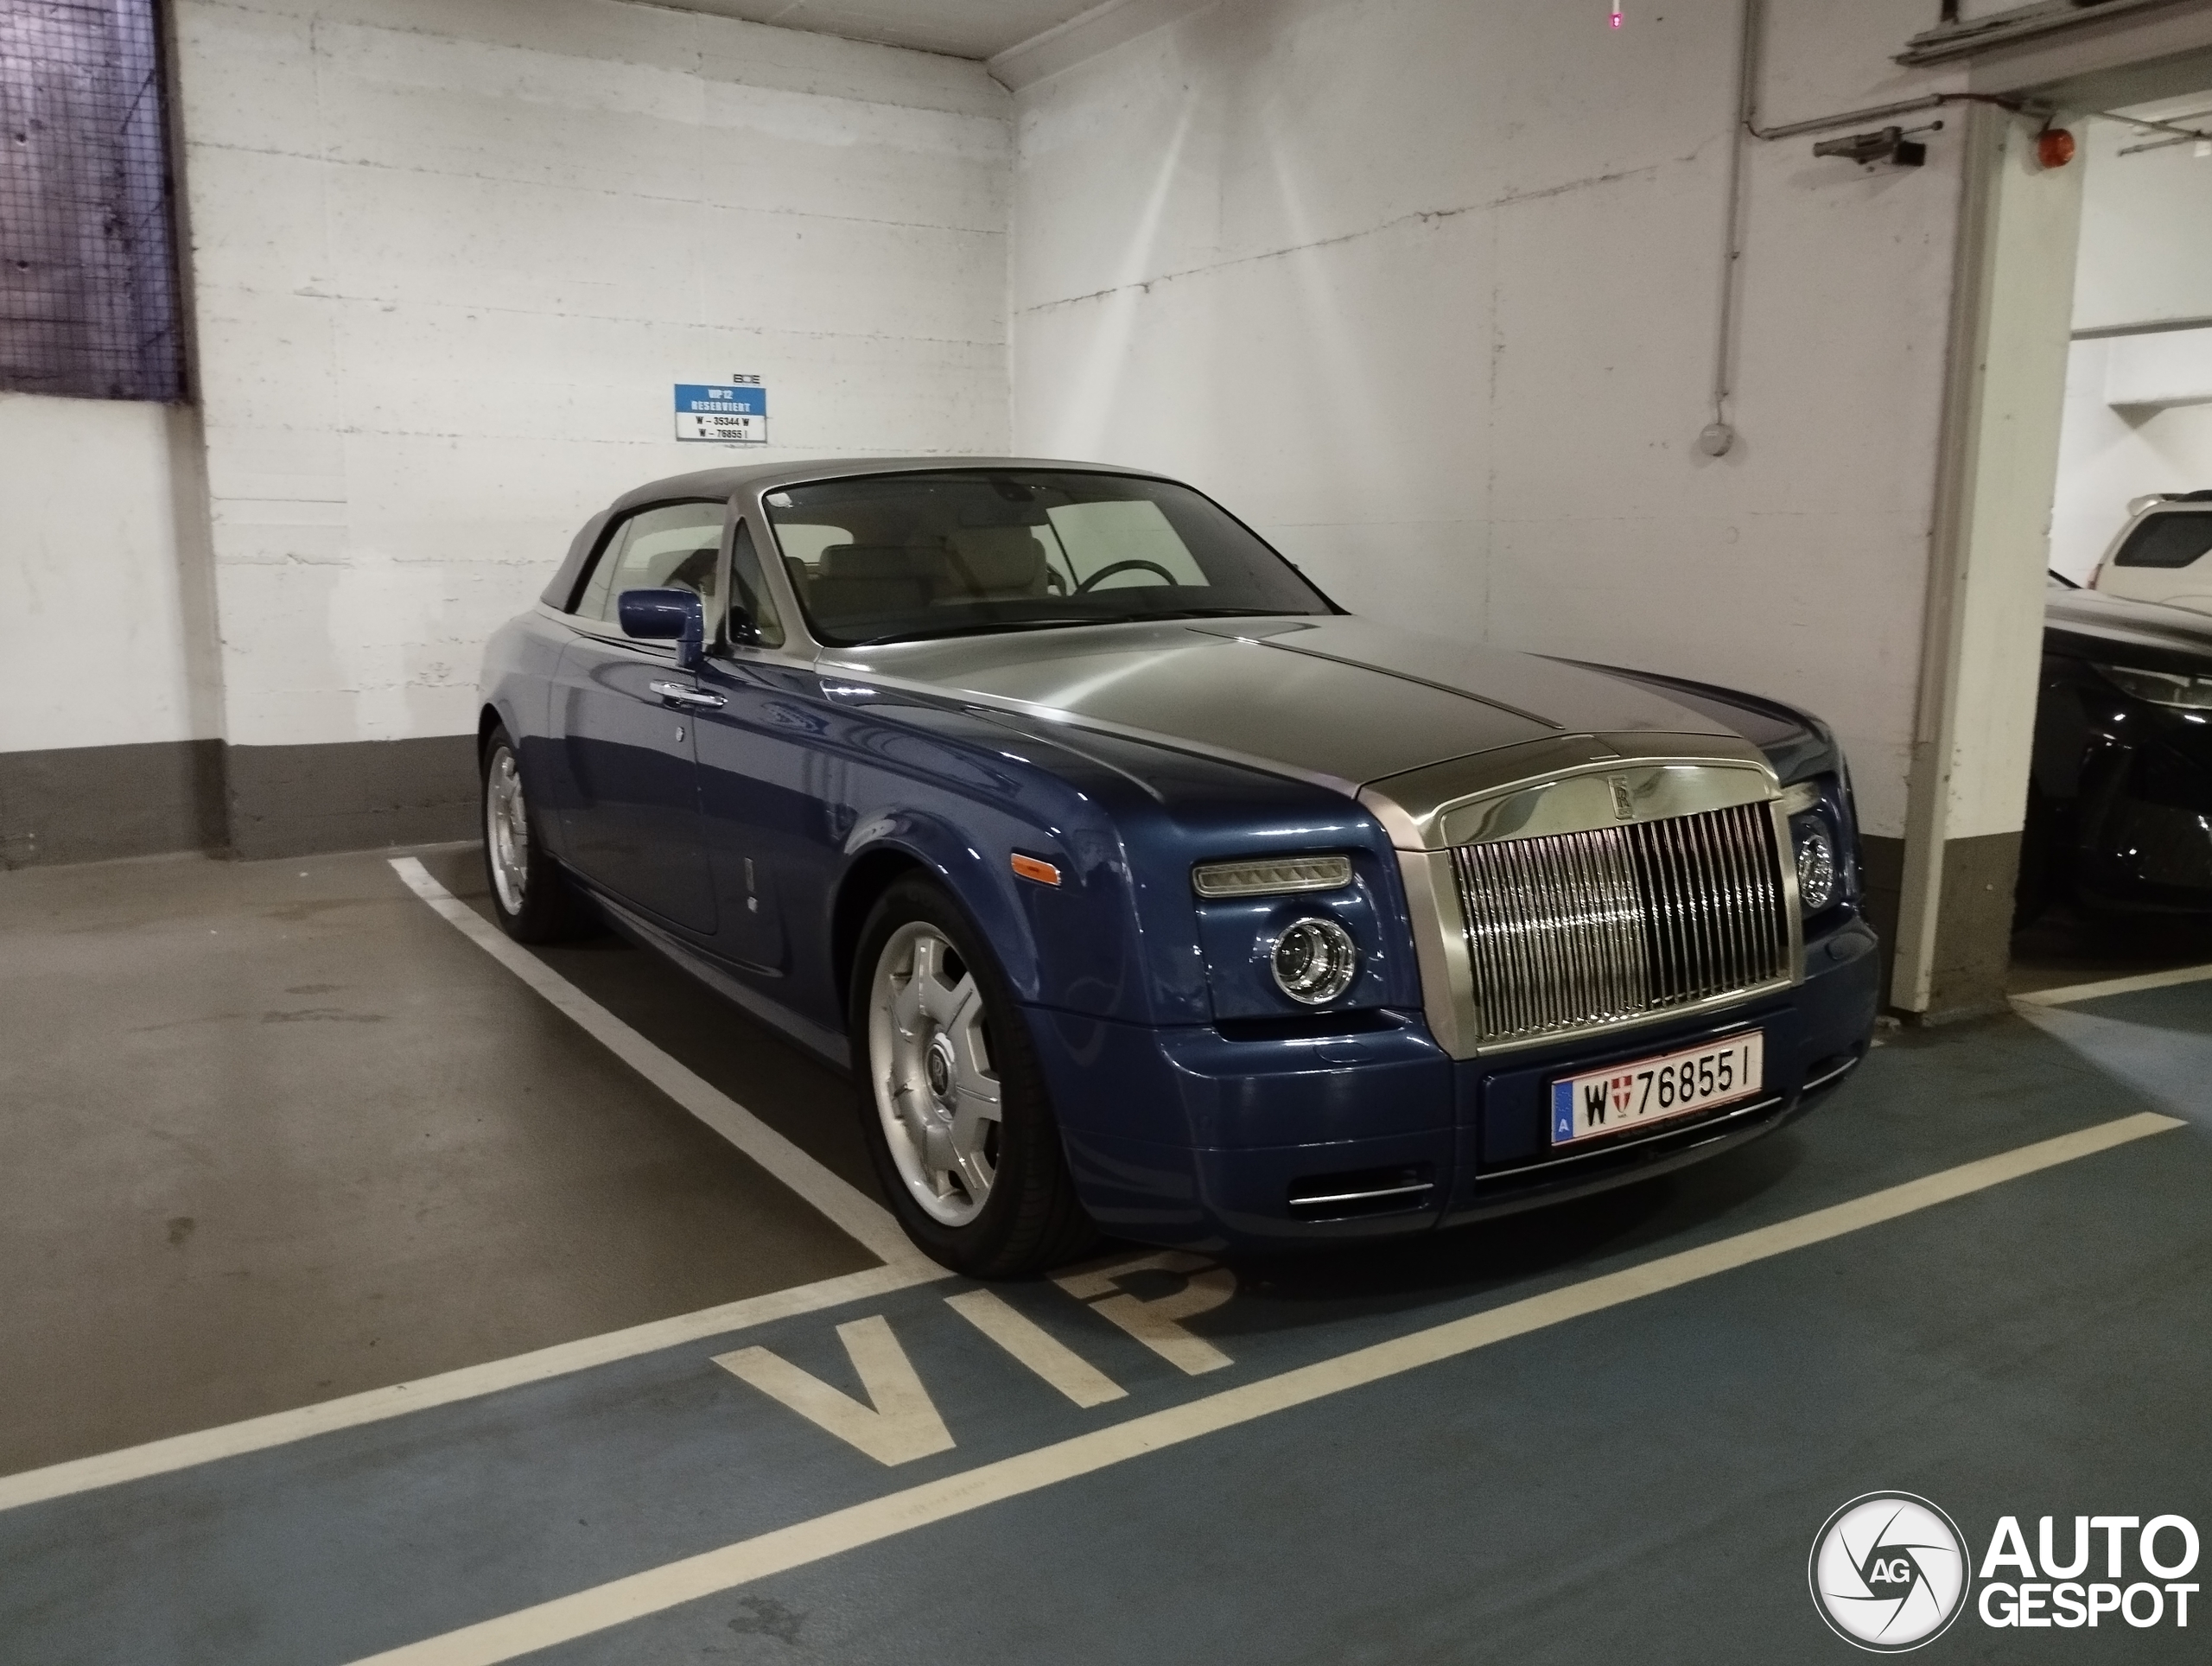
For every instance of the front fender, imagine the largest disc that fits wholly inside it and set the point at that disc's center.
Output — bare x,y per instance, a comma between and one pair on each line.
960,795
1120,937
1073,946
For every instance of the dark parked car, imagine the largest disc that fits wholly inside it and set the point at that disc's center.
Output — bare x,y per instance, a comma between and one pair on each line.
1143,888
2119,806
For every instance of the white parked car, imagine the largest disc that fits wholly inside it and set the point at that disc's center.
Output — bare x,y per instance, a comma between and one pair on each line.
2162,554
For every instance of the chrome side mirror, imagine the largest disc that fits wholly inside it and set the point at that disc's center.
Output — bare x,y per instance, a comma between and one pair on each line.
670,615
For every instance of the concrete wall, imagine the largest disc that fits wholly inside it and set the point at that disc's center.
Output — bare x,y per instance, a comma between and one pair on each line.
105,628
2146,230
109,686
2139,407
449,258
2112,453
1428,288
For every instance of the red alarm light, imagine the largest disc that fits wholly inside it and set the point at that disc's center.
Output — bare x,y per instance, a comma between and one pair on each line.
2054,147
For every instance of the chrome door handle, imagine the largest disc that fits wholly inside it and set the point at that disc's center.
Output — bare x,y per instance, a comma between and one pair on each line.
675,694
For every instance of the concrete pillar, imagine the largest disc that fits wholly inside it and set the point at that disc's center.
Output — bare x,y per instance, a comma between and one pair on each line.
1975,730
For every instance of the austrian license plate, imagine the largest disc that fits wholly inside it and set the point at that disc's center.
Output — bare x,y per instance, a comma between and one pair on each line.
1657,1090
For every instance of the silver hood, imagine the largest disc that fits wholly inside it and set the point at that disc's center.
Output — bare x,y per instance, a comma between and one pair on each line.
1336,700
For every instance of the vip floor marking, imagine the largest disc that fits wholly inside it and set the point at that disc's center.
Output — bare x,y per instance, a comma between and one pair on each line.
895,1386
899,1422
1037,1348
1158,1324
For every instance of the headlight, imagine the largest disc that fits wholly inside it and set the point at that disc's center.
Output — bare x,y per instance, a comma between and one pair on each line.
1276,877
1812,834
1816,865
2160,688
1314,961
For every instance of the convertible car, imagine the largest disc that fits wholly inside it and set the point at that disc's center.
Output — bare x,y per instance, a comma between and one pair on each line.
1142,888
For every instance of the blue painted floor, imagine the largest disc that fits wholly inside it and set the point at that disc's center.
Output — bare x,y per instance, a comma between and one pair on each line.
2157,1041
1642,1483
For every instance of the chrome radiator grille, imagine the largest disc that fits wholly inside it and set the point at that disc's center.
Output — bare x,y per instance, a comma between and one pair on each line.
1572,929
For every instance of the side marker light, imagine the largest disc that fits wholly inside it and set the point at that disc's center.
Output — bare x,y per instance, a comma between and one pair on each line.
1029,868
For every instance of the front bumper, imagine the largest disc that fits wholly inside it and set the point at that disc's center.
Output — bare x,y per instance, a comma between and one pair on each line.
1257,1138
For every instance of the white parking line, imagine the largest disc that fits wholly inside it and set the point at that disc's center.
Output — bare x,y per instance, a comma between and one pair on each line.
858,1216
2074,992
657,1589
854,1213
373,1405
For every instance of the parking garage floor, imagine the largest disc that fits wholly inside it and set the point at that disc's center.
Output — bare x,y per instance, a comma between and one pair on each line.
381,1298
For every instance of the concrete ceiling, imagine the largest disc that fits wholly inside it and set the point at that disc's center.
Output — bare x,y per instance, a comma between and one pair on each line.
960,29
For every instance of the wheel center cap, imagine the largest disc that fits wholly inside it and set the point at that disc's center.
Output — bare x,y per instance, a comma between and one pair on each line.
938,1066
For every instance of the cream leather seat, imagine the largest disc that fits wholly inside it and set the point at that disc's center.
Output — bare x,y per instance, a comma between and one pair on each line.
997,561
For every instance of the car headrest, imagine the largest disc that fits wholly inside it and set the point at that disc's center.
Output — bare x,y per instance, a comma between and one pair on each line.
998,560
695,572
881,561
837,602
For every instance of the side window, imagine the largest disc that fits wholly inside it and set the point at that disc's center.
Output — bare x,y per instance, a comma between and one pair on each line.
747,590
2174,539
678,545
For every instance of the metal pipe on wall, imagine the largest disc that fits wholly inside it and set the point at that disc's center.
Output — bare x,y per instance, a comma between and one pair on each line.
1720,434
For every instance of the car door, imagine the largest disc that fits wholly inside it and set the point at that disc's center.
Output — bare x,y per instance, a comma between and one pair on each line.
624,716
754,769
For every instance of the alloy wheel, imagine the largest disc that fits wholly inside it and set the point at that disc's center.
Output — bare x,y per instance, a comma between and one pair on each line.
506,831
935,1088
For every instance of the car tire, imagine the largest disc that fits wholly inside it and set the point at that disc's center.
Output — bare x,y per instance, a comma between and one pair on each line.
937,1041
533,900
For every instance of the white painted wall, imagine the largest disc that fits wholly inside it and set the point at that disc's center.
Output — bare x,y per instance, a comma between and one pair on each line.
2146,230
450,257
2109,454
2138,408
1427,289
106,633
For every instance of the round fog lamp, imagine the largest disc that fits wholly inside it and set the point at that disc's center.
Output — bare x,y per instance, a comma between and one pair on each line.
1815,870
1314,961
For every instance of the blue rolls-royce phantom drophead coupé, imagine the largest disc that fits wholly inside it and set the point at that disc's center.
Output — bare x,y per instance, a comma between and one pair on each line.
1145,890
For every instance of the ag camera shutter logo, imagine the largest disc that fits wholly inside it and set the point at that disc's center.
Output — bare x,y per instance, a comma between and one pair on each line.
1889,1572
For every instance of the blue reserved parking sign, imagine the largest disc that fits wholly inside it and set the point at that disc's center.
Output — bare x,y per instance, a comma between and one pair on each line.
735,412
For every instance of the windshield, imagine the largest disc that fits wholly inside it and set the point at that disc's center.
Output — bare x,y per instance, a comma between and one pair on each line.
899,557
